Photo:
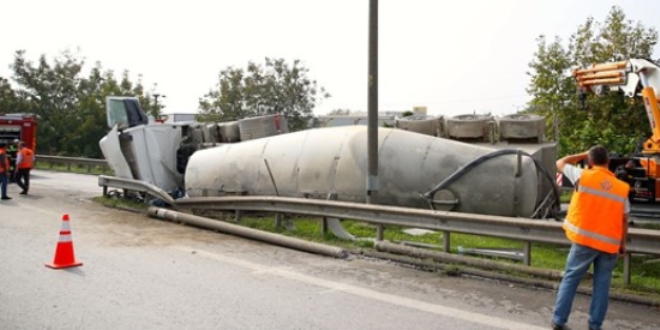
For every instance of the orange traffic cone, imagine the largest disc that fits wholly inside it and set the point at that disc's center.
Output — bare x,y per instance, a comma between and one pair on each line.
64,256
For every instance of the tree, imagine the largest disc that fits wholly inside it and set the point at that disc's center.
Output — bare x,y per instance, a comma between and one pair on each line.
609,120
71,107
10,101
274,87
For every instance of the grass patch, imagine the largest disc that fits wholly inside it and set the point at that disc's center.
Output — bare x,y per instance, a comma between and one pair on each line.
74,168
646,225
565,196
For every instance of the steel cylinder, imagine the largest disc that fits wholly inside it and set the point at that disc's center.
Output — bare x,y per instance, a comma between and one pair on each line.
316,162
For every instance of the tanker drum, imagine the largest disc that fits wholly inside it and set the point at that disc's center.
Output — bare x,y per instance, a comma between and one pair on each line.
319,161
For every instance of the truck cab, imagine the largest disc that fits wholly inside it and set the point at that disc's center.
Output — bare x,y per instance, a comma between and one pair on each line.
137,149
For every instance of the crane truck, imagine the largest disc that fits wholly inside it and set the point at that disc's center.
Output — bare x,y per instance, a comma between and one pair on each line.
632,78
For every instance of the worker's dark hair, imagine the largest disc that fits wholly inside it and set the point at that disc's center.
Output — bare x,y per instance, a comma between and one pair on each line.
598,155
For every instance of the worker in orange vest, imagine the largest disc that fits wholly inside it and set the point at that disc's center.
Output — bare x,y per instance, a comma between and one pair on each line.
24,162
597,226
4,171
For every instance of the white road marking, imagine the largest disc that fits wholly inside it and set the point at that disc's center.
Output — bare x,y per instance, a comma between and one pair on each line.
369,294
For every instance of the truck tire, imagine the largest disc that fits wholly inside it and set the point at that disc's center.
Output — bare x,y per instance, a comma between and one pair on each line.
211,133
262,126
182,156
469,126
422,124
229,132
521,126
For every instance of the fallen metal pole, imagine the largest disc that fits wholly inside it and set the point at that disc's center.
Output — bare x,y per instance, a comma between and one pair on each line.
479,263
259,235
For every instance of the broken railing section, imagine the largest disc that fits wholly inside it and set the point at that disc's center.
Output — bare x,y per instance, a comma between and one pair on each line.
136,186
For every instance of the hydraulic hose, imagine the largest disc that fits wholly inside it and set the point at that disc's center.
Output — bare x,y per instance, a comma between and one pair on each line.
469,166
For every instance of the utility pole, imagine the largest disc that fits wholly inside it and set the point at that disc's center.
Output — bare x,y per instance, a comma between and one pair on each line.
372,122
156,96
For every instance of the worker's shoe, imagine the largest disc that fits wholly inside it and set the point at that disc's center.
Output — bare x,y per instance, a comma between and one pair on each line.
5,198
559,327
23,192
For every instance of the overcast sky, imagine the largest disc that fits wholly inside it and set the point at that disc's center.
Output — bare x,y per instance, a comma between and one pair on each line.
452,56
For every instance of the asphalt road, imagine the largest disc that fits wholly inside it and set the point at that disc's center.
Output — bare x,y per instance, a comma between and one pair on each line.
142,273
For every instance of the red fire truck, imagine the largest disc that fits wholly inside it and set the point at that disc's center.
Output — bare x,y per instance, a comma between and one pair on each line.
18,126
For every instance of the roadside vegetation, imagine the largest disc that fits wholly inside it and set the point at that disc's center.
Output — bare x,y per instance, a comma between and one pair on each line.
81,169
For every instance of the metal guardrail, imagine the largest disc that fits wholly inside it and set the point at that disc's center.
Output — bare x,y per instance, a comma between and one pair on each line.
641,241
69,161
532,230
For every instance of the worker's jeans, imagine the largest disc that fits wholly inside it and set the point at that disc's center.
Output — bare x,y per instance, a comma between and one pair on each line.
3,184
23,179
578,262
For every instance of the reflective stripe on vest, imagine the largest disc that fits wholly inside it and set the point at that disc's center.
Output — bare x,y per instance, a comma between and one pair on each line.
601,193
593,235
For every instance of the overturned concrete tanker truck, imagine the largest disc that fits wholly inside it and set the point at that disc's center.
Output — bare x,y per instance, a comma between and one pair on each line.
473,164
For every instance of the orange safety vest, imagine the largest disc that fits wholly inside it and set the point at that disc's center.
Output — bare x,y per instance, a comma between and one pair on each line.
26,160
2,151
595,214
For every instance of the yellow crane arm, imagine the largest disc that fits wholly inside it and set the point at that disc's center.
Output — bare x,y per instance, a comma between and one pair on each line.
630,77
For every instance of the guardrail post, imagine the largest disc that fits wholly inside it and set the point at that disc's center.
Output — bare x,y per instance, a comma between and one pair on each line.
278,220
105,191
89,168
446,241
527,253
324,226
68,167
380,232
627,265
324,220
